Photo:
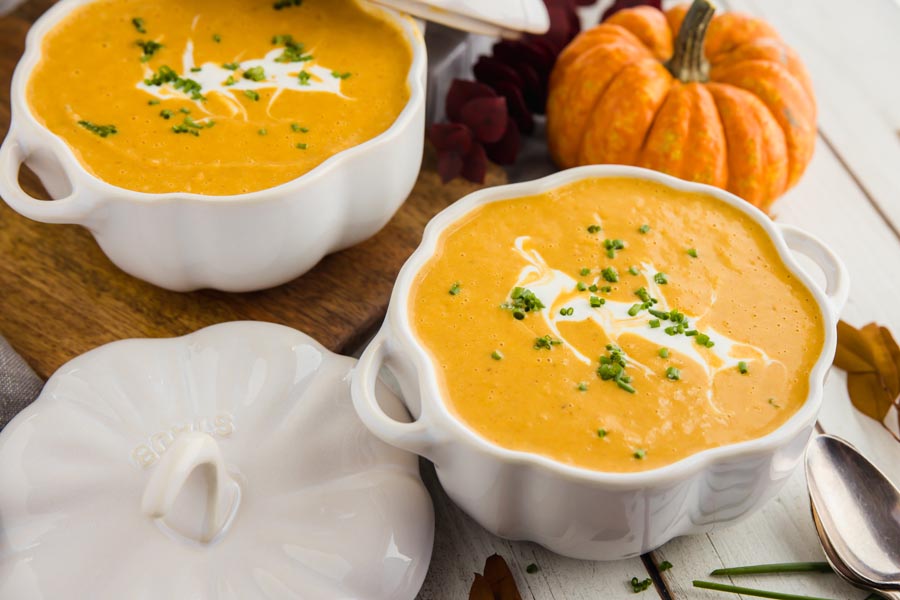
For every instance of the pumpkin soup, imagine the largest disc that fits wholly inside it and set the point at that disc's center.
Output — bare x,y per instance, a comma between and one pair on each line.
616,324
218,97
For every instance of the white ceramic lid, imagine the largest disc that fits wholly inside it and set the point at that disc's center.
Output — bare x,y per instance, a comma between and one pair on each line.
226,464
506,18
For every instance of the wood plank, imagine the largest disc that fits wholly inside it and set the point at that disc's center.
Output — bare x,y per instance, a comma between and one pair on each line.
61,296
852,52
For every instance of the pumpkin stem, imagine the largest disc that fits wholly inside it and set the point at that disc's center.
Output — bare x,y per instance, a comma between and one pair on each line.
688,63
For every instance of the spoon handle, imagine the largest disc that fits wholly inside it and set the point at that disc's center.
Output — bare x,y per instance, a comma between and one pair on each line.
889,594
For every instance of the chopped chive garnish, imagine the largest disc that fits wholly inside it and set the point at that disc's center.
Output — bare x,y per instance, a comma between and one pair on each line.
661,278
153,102
610,274
523,301
654,323
593,287
691,332
692,252
639,454
546,342
663,353
532,569
639,585
634,310
664,566
339,75
612,367
593,228
196,69
585,271
496,355
597,302
583,386
101,130
581,286
455,288
280,4
625,386
659,314
253,95
613,245
256,73
166,113
601,433
606,289
149,48
773,403
232,66
301,146
303,77
138,24
567,311
633,270
742,368
263,131
673,373
644,228
184,110
231,80
296,127
217,38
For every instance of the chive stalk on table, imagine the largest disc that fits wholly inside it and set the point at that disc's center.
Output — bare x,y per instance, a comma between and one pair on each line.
795,567
734,589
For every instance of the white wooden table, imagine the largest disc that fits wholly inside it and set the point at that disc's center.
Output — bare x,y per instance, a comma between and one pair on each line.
850,197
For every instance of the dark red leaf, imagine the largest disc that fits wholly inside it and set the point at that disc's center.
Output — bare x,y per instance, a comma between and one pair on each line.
506,149
475,164
539,43
533,89
623,4
515,105
449,165
491,71
515,51
486,117
559,33
460,92
453,137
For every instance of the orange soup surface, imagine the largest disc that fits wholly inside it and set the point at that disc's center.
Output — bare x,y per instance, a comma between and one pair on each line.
616,325
218,97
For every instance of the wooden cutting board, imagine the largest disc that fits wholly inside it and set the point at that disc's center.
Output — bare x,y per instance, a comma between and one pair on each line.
60,296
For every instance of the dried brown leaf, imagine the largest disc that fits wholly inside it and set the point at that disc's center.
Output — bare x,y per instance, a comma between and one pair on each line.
503,584
871,358
497,583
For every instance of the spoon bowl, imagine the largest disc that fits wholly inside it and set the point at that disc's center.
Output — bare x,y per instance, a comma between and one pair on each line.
857,513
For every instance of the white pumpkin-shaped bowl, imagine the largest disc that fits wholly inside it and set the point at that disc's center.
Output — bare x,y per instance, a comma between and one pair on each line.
226,464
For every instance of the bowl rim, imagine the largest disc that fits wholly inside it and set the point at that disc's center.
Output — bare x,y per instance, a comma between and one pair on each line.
75,170
434,408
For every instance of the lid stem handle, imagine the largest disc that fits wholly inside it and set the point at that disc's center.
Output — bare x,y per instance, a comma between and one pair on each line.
190,451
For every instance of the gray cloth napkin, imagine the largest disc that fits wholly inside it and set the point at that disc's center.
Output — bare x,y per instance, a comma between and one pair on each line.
19,385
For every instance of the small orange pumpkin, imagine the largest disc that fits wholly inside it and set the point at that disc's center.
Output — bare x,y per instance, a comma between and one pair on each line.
725,102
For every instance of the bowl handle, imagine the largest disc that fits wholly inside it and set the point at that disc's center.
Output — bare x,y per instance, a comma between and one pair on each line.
837,281
73,209
413,437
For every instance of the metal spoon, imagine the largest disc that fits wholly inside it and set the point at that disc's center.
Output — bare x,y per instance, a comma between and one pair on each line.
840,568
857,514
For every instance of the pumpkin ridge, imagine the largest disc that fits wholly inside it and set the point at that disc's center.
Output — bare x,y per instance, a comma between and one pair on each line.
797,122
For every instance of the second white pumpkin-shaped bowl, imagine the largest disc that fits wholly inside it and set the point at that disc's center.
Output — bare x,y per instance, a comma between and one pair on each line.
574,511
226,464
245,242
